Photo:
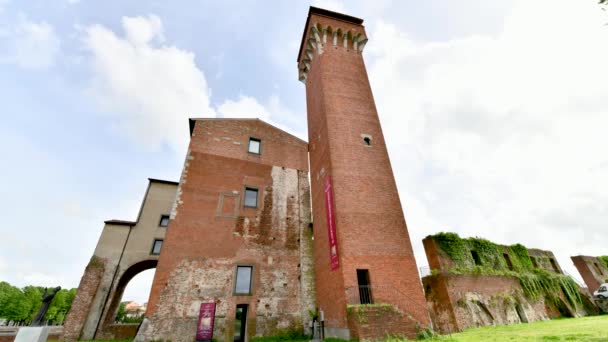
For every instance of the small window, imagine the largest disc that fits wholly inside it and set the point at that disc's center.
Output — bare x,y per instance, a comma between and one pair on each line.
365,288
367,141
251,197
156,247
164,220
508,261
254,145
476,258
242,284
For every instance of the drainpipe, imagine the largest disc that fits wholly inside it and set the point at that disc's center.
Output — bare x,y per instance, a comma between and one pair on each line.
105,302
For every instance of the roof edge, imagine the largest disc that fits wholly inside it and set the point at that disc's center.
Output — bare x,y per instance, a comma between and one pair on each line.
162,181
193,120
120,222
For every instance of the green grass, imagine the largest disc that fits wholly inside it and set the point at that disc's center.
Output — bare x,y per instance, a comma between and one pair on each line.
593,328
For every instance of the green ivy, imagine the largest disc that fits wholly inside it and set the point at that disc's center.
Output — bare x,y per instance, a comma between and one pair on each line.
604,259
536,283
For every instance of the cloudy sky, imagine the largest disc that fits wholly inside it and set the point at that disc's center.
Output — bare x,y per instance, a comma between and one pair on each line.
493,111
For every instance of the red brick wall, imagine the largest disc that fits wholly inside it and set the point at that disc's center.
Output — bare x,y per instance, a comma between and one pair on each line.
201,249
587,269
81,305
369,323
371,228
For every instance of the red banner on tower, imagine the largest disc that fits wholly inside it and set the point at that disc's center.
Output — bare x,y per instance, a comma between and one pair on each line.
331,225
206,317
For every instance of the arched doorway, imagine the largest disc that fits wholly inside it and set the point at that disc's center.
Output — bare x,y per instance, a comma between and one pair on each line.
109,329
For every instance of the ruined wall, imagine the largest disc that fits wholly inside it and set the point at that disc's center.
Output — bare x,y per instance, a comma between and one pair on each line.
124,249
592,269
79,311
211,232
475,282
464,301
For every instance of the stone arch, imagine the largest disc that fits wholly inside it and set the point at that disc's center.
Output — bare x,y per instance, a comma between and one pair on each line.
121,284
124,249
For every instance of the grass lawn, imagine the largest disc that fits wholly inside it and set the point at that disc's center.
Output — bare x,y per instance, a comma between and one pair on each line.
593,328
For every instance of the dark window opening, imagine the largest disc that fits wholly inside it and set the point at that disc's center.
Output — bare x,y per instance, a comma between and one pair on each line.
367,141
240,323
534,263
242,285
554,265
156,246
598,269
476,258
255,145
164,220
251,197
365,288
508,261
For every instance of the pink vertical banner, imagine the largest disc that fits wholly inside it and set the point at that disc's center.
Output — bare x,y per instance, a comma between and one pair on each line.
206,317
331,225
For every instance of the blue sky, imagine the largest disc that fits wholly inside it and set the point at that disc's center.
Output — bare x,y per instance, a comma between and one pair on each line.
493,112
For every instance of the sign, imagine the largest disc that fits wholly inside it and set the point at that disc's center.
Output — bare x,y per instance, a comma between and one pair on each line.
204,328
331,225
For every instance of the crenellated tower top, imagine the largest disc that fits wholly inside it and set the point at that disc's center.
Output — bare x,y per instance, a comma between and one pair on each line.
327,28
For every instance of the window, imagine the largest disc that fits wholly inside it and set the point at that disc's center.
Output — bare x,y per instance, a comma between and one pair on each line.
242,284
156,246
476,258
164,220
365,288
554,265
367,141
251,197
254,145
508,260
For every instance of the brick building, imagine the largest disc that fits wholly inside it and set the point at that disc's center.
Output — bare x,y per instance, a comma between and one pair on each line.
594,270
236,239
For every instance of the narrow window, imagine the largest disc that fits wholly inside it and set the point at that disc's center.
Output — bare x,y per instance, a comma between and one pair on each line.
156,246
251,197
365,288
508,260
534,263
254,145
242,284
164,220
476,258
554,265
240,323
598,269
367,141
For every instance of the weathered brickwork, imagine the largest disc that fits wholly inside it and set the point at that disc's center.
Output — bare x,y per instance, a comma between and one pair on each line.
371,229
89,283
592,269
211,232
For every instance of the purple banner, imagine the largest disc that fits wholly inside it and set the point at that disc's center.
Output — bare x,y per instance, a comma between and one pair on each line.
206,317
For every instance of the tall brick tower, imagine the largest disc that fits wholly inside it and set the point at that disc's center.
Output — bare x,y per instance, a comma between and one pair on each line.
362,249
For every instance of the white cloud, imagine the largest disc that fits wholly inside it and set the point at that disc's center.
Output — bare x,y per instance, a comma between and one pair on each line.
30,45
148,88
501,137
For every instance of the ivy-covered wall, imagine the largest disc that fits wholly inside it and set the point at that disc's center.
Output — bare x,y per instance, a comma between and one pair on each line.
538,272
